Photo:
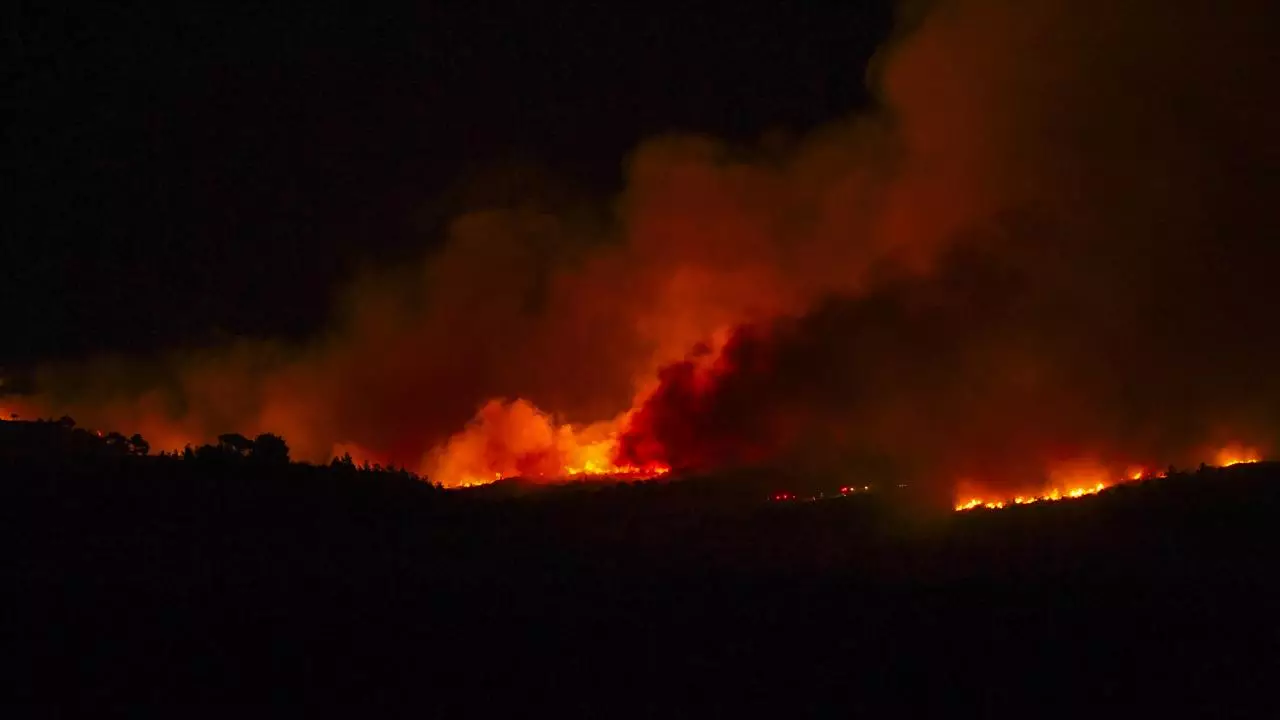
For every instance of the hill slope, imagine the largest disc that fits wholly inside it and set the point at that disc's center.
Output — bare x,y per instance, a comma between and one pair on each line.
161,580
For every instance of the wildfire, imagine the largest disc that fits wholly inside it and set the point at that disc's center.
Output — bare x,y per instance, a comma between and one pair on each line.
605,470
516,439
610,470
573,473
1234,454
1049,496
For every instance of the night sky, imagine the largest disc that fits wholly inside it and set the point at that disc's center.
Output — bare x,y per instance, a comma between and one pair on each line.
184,173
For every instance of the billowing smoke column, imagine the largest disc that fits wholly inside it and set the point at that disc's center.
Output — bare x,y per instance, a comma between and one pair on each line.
977,373
704,414
1053,245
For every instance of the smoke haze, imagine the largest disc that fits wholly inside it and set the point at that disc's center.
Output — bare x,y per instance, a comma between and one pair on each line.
1053,242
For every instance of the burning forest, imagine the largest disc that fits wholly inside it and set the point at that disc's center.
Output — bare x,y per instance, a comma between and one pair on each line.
1044,258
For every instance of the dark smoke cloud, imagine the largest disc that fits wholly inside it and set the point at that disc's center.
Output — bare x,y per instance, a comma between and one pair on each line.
979,373
1104,175
1055,239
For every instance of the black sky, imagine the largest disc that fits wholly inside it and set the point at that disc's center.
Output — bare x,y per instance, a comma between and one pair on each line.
188,170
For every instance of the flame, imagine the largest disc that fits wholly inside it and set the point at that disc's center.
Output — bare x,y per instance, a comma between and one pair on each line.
516,439
1233,454
1066,480
1051,495
1236,454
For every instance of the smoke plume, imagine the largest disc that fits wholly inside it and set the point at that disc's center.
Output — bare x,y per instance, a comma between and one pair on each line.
1052,242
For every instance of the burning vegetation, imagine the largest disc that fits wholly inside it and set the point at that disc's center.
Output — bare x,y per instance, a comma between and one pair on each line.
1233,454
1050,496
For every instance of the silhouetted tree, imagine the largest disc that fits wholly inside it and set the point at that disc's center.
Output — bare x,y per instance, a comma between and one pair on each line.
235,444
117,442
138,445
66,422
269,448
212,453
344,463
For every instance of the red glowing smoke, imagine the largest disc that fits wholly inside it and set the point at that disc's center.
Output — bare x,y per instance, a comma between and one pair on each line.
1051,241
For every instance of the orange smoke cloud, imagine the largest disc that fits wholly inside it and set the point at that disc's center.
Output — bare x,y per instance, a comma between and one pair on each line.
1046,243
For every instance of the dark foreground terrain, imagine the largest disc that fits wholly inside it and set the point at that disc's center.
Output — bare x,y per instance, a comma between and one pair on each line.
143,581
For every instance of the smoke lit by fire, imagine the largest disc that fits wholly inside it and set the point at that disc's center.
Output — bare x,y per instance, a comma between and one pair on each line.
1050,240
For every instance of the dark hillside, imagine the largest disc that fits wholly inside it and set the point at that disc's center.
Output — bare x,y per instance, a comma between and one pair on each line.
220,579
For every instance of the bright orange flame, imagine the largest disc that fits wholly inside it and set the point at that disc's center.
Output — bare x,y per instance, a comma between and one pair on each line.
516,439
1051,495
1235,454
1067,480
1077,480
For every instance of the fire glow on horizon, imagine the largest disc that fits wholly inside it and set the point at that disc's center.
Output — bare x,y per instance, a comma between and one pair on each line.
598,461
1234,454
606,472
973,277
